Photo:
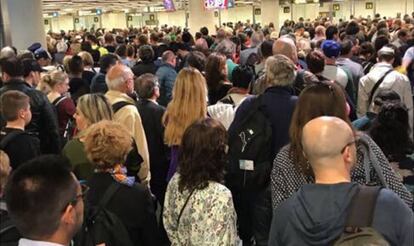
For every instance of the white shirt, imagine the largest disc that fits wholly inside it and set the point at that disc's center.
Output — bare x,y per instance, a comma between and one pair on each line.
28,242
393,81
333,72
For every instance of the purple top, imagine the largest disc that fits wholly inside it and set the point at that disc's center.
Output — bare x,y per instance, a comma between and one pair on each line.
173,163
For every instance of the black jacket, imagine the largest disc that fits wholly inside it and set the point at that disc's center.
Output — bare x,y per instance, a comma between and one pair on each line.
133,206
98,84
151,117
20,148
78,88
279,104
44,120
141,68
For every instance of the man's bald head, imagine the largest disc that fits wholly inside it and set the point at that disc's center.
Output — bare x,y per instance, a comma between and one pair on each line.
324,138
118,77
286,46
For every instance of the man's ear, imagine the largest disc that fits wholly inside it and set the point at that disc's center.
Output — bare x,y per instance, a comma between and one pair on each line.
68,215
21,113
347,155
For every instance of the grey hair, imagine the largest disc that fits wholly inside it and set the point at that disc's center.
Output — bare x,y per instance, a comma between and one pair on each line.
226,47
7,52
279,71
116,83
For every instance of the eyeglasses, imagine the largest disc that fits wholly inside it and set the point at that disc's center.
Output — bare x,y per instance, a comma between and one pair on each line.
82,195
356,139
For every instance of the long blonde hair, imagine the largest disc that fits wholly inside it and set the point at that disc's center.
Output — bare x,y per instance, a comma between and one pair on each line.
189,104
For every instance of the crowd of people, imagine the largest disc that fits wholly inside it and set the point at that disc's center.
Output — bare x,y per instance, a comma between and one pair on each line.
248,136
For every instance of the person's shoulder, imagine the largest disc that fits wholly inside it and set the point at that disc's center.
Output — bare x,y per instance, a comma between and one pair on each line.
389,202
24,138
399,76
283,210
220,189
137,189
72,144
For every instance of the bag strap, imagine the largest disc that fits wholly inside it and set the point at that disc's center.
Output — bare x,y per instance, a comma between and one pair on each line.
256,104
379,82
9,137
119,105
362,208
185,205
109,193
58,100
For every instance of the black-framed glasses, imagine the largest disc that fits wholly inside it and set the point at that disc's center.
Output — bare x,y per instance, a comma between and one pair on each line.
84,191
355,141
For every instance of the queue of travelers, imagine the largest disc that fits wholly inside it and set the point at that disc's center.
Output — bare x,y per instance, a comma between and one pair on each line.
248,136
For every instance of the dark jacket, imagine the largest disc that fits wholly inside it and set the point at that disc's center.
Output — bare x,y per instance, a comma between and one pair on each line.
279,104
316,215
98,84
21,148
151,116
132,205
214,95
88,76
44,121
166,77
78,88
144,67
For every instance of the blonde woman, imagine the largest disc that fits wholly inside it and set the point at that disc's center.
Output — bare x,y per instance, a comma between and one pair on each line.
91,108
58,82
88,66
188,105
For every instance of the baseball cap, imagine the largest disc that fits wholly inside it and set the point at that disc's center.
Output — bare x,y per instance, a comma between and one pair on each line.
31,65
331,49
41,53
34,47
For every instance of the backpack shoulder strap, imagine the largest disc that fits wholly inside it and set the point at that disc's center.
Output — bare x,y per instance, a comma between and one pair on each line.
6,223
109,193
119,105
362,208
9,137
58,100
379,82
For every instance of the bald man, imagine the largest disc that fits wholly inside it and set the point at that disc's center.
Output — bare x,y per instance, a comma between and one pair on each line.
120,82
286,46
316,214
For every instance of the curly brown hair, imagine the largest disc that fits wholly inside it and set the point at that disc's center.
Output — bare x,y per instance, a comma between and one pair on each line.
202,154
107,144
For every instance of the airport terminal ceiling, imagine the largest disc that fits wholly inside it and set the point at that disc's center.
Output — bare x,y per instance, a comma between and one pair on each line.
70,6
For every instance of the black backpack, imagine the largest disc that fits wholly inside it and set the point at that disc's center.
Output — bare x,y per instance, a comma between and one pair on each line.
9,235
250,150
102,226
70,128
5,139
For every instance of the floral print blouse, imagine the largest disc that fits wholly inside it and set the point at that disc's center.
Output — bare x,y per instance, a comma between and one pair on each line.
208,218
